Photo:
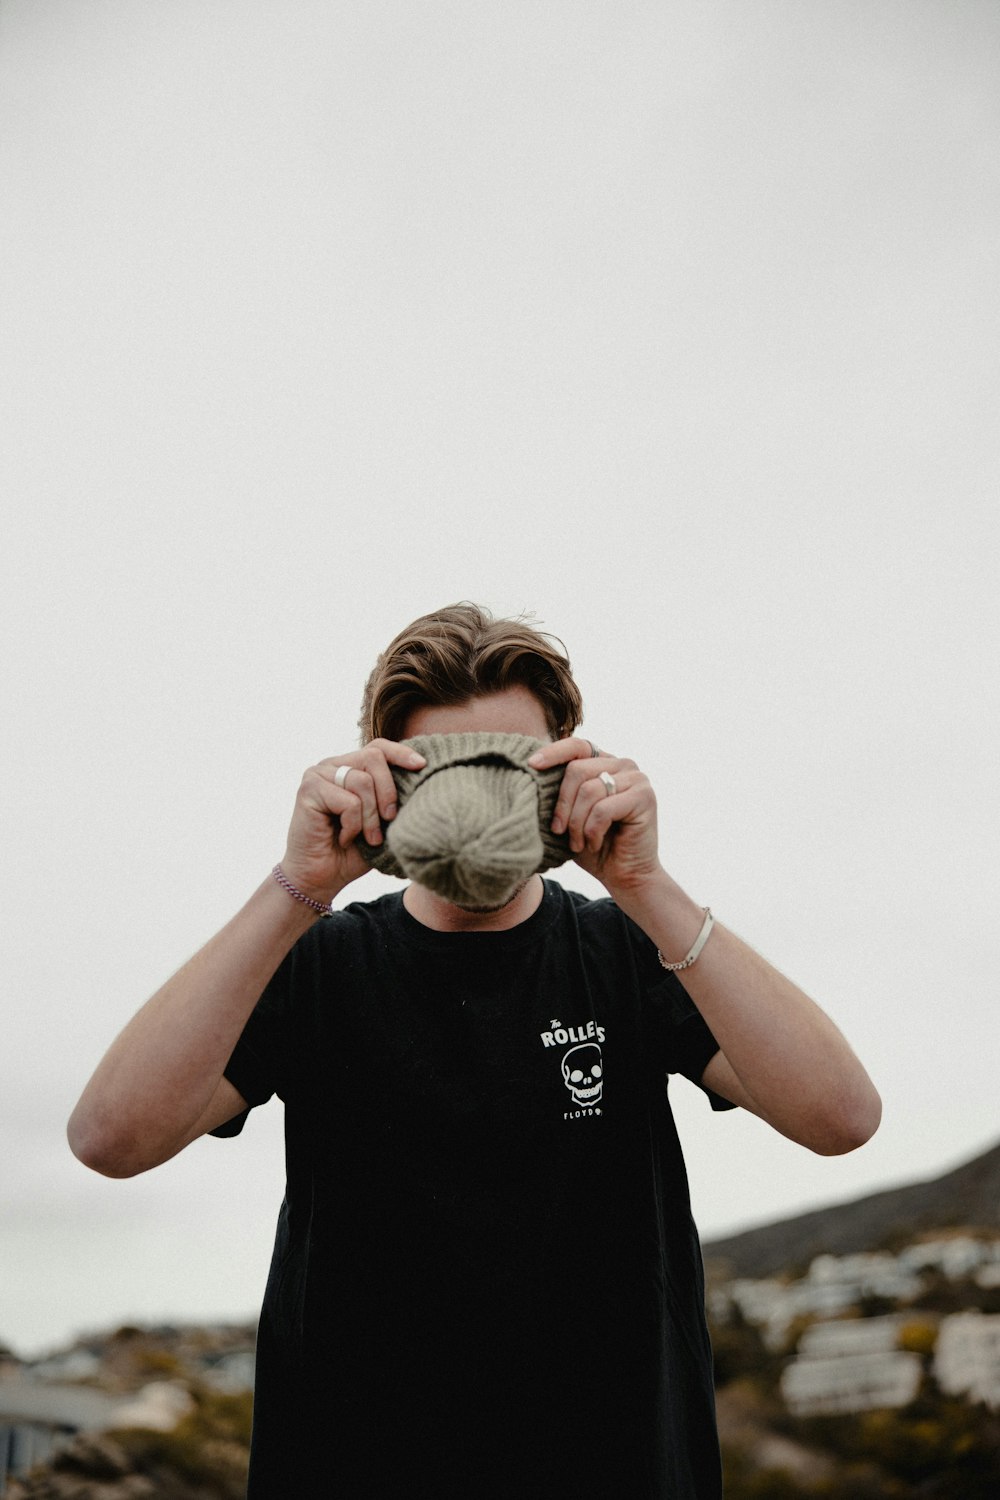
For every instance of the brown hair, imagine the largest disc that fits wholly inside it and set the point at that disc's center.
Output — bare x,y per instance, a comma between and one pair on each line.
462,652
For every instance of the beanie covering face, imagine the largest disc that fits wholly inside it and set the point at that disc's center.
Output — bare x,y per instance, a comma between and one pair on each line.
473,823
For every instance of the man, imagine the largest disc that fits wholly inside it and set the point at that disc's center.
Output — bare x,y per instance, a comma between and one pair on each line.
486,1278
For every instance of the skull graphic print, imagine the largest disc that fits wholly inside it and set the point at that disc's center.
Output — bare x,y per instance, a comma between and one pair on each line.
583,1072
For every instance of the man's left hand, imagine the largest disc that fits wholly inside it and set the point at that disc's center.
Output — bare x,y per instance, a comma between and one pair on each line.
610,823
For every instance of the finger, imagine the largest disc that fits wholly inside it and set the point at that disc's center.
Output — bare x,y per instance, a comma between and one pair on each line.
378,757
582,803
577,756
398,753
577,774
351,796
361,784
598,804
605,813
394,751
373,760
561,752
320,794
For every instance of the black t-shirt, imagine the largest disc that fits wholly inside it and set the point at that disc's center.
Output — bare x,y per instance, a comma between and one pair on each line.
486,1278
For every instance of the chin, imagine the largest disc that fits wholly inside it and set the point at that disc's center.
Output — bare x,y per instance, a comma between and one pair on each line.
486,911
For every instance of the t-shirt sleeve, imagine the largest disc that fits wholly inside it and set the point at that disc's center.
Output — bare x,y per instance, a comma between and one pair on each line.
257,1066
678,1033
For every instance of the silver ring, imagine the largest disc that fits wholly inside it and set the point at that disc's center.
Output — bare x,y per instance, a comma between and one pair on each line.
594,752
342,774
610,785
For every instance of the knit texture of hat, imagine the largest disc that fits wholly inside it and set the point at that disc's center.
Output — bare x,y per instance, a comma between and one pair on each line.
473,823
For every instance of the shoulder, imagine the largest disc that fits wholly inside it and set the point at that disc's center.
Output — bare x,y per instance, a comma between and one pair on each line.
596,913
583,908
358,917
608,936
600,923
358,927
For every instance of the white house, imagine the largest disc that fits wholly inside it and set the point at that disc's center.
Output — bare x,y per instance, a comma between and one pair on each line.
850,1365
967,1356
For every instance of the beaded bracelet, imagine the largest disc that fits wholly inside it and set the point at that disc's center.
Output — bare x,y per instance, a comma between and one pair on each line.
286,884
699,943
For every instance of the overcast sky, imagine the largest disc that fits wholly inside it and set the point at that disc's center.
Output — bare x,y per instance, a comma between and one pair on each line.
673,323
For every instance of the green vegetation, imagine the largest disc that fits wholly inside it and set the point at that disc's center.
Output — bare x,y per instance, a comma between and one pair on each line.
947,1447
739,1350
208,1449
937,1448
918,1337
943,1295
204,1458
745,1482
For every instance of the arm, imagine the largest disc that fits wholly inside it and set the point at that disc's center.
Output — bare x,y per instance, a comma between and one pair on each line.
780,1055
161,1083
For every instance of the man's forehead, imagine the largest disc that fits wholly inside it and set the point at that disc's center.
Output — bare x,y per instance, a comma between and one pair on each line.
513,710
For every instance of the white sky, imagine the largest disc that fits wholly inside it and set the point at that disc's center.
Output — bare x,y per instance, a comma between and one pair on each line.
675,323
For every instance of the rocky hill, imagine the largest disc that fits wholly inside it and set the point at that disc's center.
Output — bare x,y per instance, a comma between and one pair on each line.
165,1410
967,1197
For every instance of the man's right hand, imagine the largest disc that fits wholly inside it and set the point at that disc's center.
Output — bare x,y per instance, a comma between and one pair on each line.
162,1081
321,856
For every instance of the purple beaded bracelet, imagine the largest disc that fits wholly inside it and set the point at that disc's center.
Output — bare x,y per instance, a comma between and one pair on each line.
286,884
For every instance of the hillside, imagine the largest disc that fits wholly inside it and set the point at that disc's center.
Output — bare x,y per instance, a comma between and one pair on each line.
967,1197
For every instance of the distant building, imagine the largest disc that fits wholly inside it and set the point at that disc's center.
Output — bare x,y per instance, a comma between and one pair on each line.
967,1356
833,1284
955,1258
232,1373
36,1418
850,1365
866,1275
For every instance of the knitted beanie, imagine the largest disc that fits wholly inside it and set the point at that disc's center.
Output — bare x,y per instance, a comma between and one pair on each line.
473,823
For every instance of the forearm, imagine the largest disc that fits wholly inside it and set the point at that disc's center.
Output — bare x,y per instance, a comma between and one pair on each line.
159,1075
793,1066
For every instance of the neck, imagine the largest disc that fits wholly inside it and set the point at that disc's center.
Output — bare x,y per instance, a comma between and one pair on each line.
444,916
